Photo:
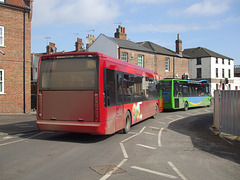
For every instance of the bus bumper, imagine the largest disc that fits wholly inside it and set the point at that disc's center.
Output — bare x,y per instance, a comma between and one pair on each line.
97,128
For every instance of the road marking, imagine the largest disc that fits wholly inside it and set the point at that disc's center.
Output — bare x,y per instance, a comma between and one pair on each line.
150,133
159,137
133,135
161,122
114,169
177,171
149,147
154,172
179,117
124,151
157,128
4,144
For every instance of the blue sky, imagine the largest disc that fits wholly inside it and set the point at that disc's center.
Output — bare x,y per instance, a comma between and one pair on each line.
213,24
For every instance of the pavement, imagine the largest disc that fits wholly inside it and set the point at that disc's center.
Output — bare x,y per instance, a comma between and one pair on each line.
17,124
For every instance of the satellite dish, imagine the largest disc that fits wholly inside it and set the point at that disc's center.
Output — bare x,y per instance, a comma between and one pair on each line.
87,40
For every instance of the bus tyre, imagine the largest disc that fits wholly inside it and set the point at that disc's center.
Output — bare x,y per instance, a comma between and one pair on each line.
186,106
210,103
128,121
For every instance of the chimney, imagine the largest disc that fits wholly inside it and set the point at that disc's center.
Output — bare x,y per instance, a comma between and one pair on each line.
51,48
120,33
79,45
178,45
89,40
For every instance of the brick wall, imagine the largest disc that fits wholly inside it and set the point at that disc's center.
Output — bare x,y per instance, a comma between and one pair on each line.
156,63
12,101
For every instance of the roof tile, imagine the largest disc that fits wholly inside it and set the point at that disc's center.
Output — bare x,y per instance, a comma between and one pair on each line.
19,3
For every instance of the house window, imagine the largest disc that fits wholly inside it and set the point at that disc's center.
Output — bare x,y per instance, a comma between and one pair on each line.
140,60
217,87
1,35
167,64
216,72
223,75
229,73
2,1
199,61
1,81
125,56
216,60
229,62
222,61
199,72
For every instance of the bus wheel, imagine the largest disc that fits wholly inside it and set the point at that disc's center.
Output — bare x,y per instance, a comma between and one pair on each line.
186,106
127,123
210,103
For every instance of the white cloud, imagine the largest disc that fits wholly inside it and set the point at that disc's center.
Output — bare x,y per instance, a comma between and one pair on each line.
204,8
173,28
74,11
148,1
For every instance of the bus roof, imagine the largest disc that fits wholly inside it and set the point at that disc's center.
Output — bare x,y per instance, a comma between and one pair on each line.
186,80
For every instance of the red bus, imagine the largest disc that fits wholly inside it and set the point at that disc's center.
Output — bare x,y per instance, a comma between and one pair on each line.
89,92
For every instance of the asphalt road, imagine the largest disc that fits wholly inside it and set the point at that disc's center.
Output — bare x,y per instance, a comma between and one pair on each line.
175,145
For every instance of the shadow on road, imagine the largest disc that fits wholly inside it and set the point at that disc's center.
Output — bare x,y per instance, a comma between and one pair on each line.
71,137
198,128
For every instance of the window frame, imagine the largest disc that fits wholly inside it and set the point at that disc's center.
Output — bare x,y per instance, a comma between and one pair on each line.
223,73
199,72
2,36
141,61
124,56
2,82
167,64
199,61
217,72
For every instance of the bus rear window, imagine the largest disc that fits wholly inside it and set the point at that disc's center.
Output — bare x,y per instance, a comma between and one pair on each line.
69,74
166,85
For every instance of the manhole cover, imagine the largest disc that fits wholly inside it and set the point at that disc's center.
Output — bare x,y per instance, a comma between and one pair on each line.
102,170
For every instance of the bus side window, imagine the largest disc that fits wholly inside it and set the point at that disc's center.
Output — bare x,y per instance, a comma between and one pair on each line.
110,98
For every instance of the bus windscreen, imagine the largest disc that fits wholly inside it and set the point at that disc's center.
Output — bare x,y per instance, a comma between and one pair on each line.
80,73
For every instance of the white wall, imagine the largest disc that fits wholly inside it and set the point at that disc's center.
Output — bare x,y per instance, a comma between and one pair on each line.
205,65
104,45
221,66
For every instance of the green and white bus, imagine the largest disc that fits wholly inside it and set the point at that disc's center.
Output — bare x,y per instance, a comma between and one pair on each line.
184,94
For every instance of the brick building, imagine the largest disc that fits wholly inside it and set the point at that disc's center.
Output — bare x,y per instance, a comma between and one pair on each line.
145,54
15,56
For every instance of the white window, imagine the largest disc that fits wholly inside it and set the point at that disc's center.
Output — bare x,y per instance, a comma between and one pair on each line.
1,35
140,60
125,56
1,81
167,64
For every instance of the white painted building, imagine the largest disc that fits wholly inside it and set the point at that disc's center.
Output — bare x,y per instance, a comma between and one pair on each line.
211,66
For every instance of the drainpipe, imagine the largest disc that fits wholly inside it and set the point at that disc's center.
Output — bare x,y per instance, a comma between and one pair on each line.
173,67
24,61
